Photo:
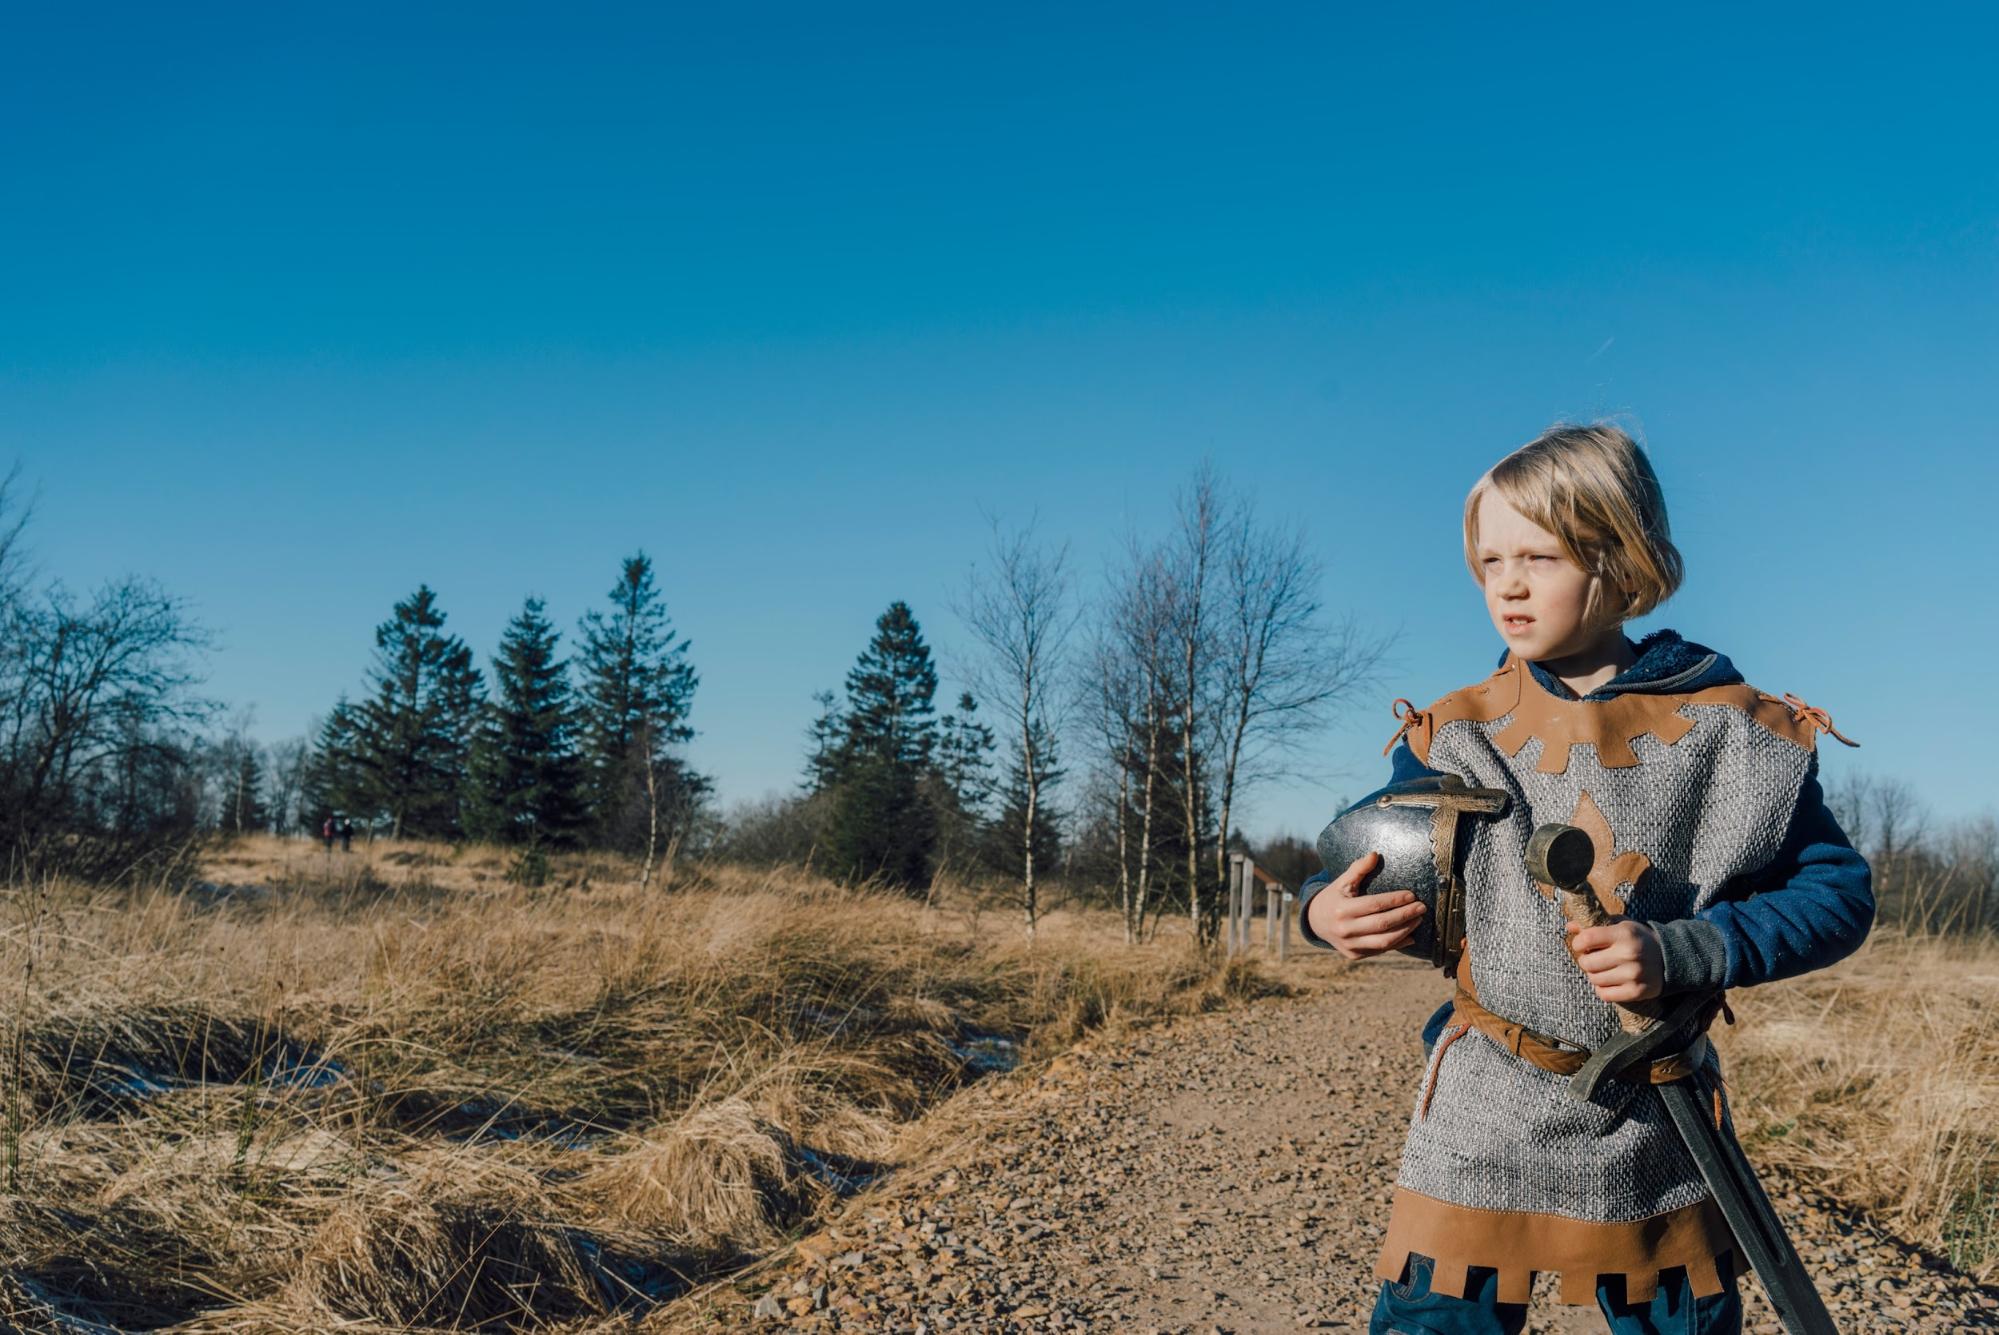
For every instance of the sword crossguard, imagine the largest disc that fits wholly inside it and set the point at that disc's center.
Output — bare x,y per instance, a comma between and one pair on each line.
1627,1050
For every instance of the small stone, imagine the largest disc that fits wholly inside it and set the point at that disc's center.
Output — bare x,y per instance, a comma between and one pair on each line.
768,1308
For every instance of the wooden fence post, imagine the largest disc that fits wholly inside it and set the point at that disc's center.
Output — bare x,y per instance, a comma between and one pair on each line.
1235,898
1248,897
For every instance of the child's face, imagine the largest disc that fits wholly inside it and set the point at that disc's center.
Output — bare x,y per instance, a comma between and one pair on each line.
1535,594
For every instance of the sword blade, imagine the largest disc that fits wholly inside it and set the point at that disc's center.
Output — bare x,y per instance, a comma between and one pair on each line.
1751,1217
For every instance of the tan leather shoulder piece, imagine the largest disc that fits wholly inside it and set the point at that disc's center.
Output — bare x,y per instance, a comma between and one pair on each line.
1495,697
1765,711
1608,725
1785,716
1791,717
1518,1245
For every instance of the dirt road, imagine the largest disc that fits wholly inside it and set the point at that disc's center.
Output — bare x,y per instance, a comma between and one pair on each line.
1228,1173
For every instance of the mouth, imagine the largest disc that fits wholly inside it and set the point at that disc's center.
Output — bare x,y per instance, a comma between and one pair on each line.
1514,625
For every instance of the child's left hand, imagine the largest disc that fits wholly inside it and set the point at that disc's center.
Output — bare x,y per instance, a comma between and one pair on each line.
1621,959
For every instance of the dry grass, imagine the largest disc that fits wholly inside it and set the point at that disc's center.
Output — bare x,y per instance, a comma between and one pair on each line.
397,1090
1877,1081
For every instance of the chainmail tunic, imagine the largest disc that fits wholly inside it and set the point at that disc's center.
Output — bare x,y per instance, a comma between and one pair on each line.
1491,1132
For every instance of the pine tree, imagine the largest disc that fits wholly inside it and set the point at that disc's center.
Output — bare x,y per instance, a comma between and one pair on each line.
879,826
960,786
243,794
527,777
335,777
826,744
1006,847
965,748
638,689
889,692
416,730
879,823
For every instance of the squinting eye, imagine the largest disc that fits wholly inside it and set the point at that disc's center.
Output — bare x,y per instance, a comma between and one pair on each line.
1539,557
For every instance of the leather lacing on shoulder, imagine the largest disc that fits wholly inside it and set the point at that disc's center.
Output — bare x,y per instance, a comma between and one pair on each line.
1812,714
1410,718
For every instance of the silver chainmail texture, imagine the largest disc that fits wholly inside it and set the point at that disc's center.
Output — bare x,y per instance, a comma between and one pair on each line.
1500,1133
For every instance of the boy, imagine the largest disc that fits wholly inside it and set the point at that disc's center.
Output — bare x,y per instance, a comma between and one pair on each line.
1716,854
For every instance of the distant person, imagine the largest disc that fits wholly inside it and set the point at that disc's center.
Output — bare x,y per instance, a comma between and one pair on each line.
326,833
346,834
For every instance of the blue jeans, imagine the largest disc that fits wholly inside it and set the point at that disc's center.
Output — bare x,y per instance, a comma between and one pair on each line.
1411,1309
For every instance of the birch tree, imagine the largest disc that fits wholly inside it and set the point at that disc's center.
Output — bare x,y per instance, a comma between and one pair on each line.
1281,670
1189,614
1021,611
1132,703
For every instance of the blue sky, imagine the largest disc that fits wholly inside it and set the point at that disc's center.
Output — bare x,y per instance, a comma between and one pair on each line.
299,309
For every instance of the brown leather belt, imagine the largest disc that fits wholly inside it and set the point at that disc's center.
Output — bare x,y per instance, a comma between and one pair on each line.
1547,1054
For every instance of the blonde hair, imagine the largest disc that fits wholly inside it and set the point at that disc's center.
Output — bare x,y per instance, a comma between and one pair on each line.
1594,489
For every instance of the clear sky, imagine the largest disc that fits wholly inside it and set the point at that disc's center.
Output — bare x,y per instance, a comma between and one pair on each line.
301,306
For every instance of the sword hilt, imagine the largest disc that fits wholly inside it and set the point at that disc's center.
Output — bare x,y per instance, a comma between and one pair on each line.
1563,856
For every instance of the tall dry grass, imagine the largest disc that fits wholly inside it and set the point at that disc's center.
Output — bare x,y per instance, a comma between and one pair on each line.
401,1089
1877,1081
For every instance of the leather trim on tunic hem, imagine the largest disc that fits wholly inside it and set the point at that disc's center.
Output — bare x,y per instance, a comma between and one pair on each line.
1518,1244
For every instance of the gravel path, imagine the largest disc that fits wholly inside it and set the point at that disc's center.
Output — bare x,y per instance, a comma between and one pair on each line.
1227,1173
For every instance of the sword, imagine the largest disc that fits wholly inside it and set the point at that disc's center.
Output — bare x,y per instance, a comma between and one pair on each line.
1562,856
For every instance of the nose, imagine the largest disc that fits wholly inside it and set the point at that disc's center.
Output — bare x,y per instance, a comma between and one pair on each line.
1509,581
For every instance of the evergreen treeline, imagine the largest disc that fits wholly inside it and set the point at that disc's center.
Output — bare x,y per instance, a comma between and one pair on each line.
1119,762
895,792
894,789
554,751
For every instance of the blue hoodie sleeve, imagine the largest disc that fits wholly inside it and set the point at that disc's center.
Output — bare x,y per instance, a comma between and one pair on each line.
1812,906
1402,765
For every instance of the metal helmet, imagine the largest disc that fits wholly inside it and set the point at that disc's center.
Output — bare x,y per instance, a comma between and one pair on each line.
1414,826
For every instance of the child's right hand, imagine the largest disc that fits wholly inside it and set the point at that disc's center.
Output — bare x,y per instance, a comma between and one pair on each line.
1360,926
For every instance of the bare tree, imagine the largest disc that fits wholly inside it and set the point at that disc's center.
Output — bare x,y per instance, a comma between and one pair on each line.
664,806
1022,612
1928,876
1848,796
99,770
1132,675
236,774
286,781
16,628
98,683
14,516
1886,820
1973,846
1280,670
1110,705
1895,818
1188,570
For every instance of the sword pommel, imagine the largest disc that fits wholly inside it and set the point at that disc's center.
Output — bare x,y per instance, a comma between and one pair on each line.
1561,856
